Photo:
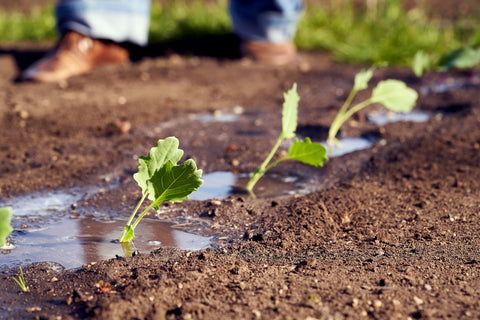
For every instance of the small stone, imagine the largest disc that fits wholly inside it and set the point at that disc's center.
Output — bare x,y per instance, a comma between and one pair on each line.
417,300
355,302
215,202
428,287
122,100
377,304
24,114
54,279
33,309
124,126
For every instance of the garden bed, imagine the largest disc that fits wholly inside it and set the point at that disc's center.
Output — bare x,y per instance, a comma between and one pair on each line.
388,232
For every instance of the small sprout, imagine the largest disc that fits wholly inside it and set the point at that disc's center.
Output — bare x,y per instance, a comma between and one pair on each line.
393,94
162,179
5,227
304,151
421,63
21,281
463,58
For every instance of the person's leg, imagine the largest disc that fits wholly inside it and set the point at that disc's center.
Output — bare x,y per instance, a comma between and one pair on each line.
115,20
267,28
90,32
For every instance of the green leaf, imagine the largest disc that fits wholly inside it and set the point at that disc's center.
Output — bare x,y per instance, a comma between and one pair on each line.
463,58
394,95
165,151
308,152
420,63
175,182
5,227
290,113
362,78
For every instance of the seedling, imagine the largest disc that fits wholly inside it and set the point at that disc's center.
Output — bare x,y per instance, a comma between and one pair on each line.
162,180
393,94
21,281
304,151
463,58
5,227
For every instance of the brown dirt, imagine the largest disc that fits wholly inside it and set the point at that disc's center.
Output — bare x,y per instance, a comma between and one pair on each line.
389,233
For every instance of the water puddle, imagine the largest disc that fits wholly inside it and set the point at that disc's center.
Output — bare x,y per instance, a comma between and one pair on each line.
45,204
448,82
219,115
348,145
45,231
382,117
216,185
75,242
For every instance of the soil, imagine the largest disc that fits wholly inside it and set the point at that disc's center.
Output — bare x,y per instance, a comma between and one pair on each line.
390,232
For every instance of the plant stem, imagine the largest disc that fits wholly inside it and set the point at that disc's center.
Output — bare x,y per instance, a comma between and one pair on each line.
263,167
342,117
136,209
137,221
337,123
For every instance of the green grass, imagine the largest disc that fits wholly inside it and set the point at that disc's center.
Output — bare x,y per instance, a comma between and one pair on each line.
384,33
188,19
36,26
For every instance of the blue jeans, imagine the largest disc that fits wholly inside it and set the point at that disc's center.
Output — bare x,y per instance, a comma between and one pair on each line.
128,20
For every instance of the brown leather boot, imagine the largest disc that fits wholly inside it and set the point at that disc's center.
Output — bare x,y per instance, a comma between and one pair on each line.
74,55
269,52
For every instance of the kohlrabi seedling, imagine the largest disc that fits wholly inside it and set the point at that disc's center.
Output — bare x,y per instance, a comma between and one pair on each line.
162,180
393,94
5,227
304,151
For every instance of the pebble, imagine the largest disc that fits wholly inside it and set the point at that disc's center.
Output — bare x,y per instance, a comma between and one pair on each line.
34,309
417,300
355,302
377,304
215,202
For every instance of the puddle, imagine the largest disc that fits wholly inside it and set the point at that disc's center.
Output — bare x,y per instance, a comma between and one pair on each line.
44,231
348,145
45,204
75,242
216,185
220,116
383,117
447,82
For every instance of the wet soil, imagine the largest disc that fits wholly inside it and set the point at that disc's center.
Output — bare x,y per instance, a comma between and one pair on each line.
390,232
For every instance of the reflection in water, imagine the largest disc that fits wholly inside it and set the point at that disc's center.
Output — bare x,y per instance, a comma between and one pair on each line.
215,185
43,204
74,242
347,145
383,117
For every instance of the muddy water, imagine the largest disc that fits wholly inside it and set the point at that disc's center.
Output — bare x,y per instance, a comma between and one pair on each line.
75,242
45,231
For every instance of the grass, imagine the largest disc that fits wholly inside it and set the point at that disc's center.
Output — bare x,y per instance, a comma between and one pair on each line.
385,32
